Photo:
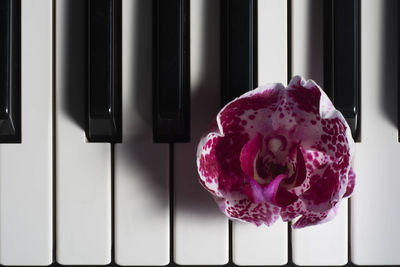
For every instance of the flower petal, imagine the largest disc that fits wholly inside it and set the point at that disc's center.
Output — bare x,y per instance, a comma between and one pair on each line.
301,171
277,195
242,114
241,208
249,153
254,191
319,126
306,94
272,188
321,194
207,163
351,183
299,164
312,218
284,197
308,217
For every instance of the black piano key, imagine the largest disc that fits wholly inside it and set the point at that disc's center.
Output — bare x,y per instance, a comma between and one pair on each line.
342,59
171,89
328,48
238,55
10,71
104,120
238,48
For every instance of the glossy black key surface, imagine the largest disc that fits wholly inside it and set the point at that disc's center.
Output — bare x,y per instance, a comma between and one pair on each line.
171,88
10,71
104,120
342,59
238,48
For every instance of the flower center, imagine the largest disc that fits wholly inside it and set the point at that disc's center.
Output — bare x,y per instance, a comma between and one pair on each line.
272,160
275,144
269,172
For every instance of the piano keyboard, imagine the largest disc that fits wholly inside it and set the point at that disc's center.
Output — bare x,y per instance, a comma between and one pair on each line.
67,201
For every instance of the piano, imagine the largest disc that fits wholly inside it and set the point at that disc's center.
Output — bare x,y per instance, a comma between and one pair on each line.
134,199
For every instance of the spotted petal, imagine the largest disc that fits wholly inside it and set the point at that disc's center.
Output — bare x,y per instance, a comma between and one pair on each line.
351,184
241,208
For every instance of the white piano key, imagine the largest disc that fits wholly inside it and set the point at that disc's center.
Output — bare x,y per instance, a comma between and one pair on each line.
252,245
324,244
26,169
141,167
200,229
272,55
261,245
316,245
83,170
375,204
307,39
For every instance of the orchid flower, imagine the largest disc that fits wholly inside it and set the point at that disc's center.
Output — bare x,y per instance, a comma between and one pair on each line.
278,152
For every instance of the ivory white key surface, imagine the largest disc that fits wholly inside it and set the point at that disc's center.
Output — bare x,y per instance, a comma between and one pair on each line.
83,170
324,244
272,42
307,39
375,212
141,167
26,168
252,245
200,229
261,245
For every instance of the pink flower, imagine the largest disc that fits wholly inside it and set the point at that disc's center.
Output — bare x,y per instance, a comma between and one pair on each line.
278,152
